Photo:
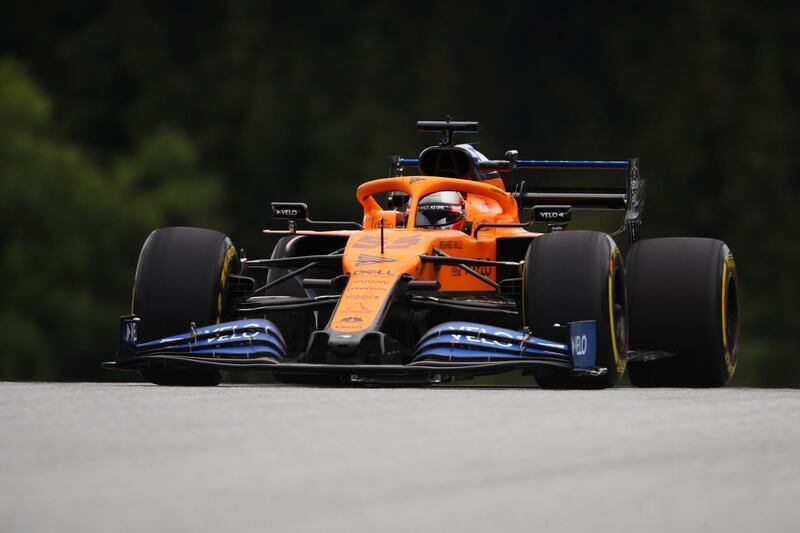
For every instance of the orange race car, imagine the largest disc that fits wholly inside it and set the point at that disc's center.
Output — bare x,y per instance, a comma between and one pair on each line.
441,280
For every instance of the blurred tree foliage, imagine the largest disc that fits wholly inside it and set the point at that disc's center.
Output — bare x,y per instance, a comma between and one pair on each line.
71,228
149,113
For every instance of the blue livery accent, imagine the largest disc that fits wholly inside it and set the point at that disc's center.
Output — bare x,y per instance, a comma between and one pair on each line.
544,163
450,353
240,339
583,343
470,342
535,163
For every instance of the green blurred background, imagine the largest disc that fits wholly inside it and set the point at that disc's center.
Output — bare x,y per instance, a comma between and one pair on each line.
118,117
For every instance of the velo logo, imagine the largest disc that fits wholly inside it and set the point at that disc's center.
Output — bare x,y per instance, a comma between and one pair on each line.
580,345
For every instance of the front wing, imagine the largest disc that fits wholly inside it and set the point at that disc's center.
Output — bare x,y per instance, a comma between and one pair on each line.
447,350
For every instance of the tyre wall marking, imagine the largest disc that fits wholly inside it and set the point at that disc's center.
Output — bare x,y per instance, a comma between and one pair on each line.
727,265
229,255
618,361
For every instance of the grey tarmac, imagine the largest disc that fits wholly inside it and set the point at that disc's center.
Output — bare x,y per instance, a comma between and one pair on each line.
136,457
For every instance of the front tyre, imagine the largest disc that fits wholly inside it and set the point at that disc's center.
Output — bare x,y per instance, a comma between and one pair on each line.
182,277
572,276
683,298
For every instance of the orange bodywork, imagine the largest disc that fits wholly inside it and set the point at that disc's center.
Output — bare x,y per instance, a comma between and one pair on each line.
374,272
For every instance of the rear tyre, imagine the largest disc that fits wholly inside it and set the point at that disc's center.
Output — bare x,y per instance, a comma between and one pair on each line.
571,276
181,278
683,299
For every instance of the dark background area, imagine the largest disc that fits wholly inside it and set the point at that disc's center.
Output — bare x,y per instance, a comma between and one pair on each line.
118,117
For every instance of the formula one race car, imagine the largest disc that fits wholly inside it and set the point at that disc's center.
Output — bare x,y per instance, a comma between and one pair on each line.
441,280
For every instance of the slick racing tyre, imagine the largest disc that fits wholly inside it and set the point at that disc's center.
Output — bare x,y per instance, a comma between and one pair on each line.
572,276
683,300
181,278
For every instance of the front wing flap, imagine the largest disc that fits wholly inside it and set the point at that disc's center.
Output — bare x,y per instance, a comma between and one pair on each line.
241,339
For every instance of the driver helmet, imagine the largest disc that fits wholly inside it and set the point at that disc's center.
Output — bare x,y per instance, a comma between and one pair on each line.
441,210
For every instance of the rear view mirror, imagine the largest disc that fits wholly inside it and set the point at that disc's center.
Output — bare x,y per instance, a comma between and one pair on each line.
289,210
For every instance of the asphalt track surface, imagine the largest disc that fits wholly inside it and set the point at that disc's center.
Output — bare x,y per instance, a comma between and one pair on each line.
130,457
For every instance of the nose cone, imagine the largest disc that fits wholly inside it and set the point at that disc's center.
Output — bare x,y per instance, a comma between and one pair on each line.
374,275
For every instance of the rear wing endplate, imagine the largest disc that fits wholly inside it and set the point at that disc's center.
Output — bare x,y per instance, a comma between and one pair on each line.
630,198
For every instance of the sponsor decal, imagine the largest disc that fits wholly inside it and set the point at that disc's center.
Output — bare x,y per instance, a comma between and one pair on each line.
556,213
372,272
357,308
361,300
228,333
414,180
403,242
390,243
368,288
553,215
451,245
362,281
485,270
367,241
365,259
131,335
479,339
582,339
477,334
433,207
579,345
291,210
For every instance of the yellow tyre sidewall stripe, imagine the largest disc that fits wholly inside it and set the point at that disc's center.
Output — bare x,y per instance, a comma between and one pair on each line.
728,271
620,362
230,254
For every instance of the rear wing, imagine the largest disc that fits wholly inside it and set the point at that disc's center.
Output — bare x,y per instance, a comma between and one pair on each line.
629,197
